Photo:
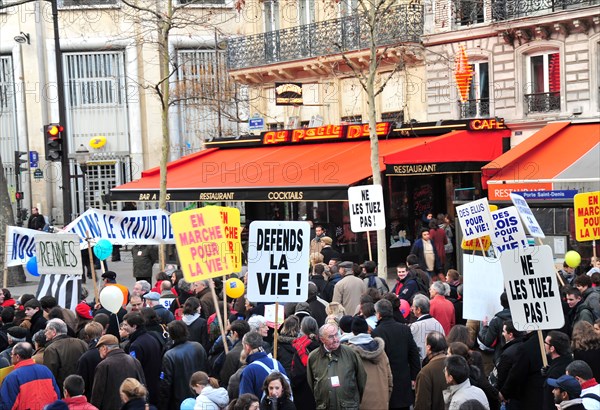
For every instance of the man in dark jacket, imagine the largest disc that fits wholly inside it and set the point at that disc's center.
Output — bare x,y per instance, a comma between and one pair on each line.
144,258
179,363
237,330
86,366
509,354
334,278
35,313
62,352
491,334
317,305
578,310
402,353
327,251
425,250
116,366
147,348
558,350
317,277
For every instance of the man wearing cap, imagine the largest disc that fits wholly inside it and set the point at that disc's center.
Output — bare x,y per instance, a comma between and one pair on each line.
115,367
110,279
153,300
348,290
327,251
29,385
566,390
15,334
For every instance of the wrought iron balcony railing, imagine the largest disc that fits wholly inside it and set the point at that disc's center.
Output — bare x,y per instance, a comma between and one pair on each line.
474,108
403,23
542,102
510,9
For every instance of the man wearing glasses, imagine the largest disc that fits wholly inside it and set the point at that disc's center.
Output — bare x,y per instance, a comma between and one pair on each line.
30,385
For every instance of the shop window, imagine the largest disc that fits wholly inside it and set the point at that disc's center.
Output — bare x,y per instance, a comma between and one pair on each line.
202,2
478,104
543,83
85,3
351,119
393,116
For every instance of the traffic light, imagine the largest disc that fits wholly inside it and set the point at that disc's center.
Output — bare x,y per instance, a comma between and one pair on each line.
19,195
19,161
54,142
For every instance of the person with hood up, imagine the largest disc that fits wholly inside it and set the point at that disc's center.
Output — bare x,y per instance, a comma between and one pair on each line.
210,395
375,362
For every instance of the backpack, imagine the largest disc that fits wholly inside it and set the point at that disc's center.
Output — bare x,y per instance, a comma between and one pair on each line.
376,282
591,396
423,289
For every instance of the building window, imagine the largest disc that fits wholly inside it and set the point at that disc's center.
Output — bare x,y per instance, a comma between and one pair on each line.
8,119
219,3
351,119
395,116
543,83
469,12
85,3
275,126
306,12
478,104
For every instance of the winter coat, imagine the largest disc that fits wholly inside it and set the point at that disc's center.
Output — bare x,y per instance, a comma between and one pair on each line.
212,399
38,355
163,314
147,348
110,373
348,292
206,303
591,297
231,363
137,404
144,258
344,364
233,387
282,404
403,356
198,331
374,281
79,403
320,281
38,322
579,312
317,309
457,394
424,325
431,382
491,335
285,352
379,383
28,386
328,253
443,310
86,367
254,375
407,287
327,292
178,365
439,238
525,382
417,249
509,354
61,356
303,396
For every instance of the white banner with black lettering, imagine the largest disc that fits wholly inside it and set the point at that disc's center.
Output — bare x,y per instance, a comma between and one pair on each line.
20,245
58,253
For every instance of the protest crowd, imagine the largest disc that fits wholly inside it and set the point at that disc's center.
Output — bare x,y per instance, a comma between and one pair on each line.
357,342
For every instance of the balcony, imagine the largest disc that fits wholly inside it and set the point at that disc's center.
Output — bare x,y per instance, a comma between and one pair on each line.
403,23
474,108
542,102
511,9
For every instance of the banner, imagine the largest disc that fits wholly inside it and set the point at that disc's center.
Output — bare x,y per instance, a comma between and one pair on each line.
65,288
58,254
20,245
146,227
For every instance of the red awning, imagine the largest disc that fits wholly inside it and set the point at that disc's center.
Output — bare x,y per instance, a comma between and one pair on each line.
457,151
315,172
559,156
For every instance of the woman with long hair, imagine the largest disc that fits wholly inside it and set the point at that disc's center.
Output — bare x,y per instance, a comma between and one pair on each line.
210,395
246,401
303,345
288,333
585,343
133,395
277,393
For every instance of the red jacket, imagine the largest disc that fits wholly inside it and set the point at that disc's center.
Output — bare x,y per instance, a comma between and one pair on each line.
79,403
28,386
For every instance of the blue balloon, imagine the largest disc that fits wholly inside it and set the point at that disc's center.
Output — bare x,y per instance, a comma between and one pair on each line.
32,267
188,404
103,249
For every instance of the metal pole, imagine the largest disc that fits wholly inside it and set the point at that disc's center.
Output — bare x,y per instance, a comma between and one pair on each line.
62,116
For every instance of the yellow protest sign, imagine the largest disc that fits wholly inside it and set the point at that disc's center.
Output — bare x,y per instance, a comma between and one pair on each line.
233,232
587,216
201,243
473,244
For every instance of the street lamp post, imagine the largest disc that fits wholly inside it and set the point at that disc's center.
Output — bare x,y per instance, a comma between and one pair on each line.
82,156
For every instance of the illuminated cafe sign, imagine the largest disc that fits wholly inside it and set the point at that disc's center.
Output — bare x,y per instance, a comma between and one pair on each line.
486,124
433,168
288,94
324,133
262,194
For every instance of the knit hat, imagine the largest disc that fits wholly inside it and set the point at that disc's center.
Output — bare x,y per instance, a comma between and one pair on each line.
84,311
359,325
346,323
302,310
17,333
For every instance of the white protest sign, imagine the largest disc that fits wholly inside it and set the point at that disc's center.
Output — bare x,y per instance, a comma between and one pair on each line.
366,208
20,245
278,264
483,284
58,254
532,288
270,315
508,230
475,219
166,302
532,225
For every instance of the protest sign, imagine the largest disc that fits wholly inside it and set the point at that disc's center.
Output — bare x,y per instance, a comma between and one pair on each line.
231,222
270,315
201,243
166,302
475,219
587,216
532,288
58,254
20,245
477,244
278,254
145,227
366,208
527,216
508,230
483,284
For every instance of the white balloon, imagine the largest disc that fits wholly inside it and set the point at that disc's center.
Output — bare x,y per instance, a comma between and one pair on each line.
111,298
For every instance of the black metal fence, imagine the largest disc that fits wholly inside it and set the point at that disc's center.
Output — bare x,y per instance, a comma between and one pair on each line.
403,23
542,102
510,9
474,108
